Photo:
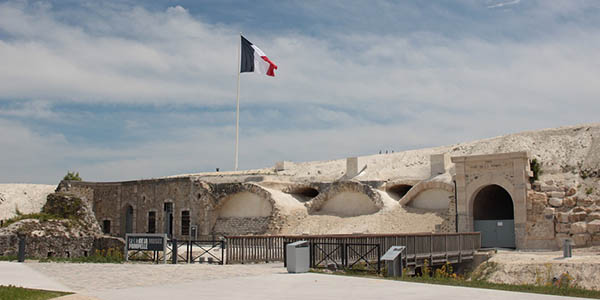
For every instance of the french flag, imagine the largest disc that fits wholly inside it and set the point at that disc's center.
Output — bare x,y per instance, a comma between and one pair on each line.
254,60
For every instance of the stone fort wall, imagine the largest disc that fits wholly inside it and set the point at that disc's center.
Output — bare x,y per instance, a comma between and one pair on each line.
202,201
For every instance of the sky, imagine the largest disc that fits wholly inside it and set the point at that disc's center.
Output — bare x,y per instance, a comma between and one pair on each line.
125,90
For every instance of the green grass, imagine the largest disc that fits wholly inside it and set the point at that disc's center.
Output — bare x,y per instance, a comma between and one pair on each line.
16,293
8,258
482,284
524,288
43,217
111,256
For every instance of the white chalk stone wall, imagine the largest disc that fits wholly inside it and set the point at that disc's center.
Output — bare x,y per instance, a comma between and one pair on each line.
346,199
436,199
245,205
349,204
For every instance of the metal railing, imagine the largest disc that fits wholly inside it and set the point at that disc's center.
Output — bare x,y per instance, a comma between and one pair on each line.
186,251
437,248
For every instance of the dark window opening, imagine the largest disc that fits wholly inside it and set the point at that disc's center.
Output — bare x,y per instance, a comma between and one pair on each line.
168,208
129,219
185,223
304,193
152,222
106,226
398,191
493,203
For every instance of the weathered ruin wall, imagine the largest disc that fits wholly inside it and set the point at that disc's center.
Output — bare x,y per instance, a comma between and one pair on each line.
8,244
46,246
557,211
449,223
71,232
58,246
204,201
242,226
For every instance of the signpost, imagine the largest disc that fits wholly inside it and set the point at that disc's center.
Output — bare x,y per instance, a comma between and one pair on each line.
146,242
393,261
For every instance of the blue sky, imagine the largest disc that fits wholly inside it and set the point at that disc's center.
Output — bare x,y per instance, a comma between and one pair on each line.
138,89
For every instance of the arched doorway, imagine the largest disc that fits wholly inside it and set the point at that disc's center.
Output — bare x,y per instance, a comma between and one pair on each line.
399,190
494,217
128,219
168,210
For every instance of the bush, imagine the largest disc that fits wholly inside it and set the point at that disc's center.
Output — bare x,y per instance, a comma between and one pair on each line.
8,258
72,176
111,255
536,168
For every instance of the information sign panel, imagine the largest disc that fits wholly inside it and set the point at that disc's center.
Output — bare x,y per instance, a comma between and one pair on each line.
393,252
145,242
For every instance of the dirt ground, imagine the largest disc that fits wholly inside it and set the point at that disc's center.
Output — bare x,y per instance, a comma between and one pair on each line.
518,267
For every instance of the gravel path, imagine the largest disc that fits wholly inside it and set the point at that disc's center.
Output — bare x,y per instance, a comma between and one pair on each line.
89,278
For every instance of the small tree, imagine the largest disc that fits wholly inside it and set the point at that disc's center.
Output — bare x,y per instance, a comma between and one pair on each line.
72,176
536,168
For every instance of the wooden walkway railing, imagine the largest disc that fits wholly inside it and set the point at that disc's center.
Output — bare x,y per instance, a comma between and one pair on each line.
436,248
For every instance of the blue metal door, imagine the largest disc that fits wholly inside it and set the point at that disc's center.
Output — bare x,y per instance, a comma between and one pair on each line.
496,233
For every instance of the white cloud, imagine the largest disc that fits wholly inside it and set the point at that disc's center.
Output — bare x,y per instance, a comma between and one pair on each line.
502,4
352,93
36,109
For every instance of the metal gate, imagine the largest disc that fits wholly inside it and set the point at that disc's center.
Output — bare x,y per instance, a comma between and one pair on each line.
496,233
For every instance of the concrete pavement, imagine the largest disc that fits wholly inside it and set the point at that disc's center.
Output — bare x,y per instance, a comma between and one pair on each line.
310,286
269,282
20,274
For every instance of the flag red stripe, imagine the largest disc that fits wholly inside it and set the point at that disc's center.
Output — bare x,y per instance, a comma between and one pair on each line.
272,66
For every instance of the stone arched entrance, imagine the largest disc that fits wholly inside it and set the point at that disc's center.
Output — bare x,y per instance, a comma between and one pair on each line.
494,217
508,173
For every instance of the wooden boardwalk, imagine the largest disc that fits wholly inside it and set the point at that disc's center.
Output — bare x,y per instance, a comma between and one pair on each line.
436,248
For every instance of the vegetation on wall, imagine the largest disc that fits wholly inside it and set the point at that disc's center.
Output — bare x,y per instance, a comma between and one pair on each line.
59,206
536,168
42,217
72,176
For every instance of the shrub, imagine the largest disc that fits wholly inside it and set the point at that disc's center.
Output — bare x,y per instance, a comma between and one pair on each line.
72,176
536,168
8,257
111,255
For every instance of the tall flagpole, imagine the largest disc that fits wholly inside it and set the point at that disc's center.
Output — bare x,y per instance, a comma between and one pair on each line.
237,110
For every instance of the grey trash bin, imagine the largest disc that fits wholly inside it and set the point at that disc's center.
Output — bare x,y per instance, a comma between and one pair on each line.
297,259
